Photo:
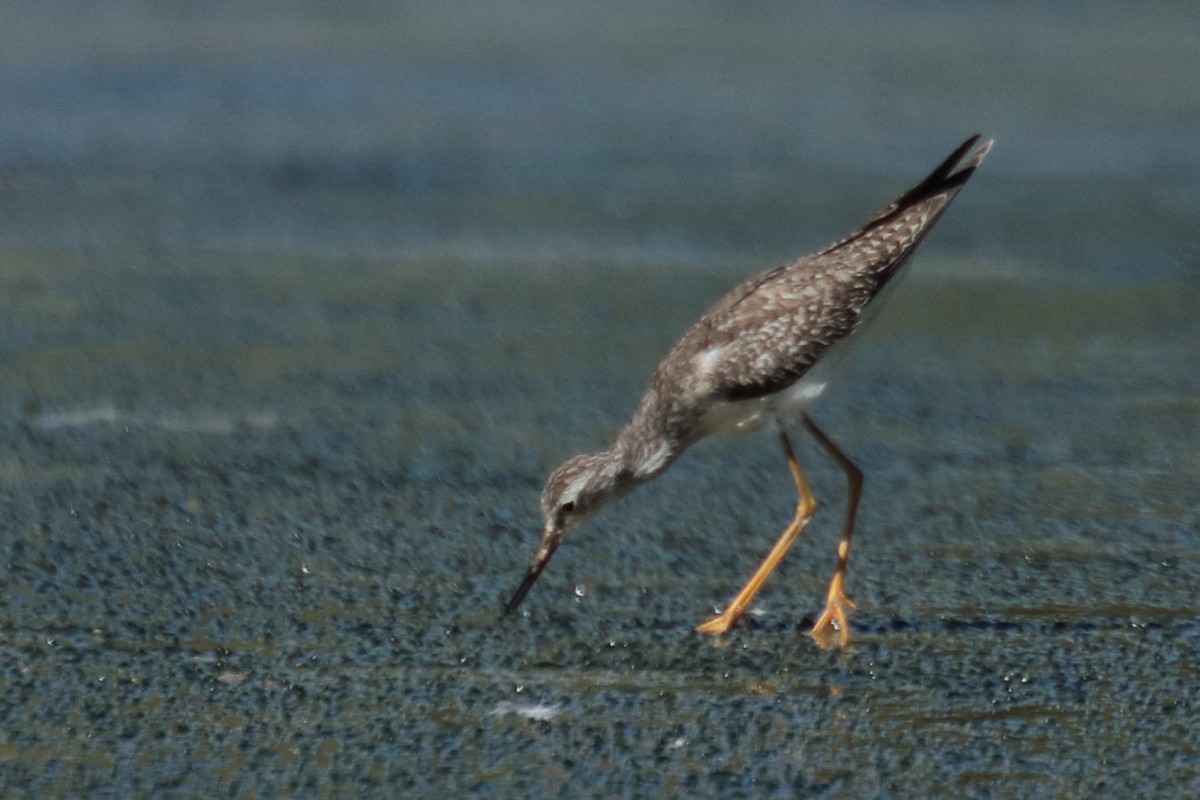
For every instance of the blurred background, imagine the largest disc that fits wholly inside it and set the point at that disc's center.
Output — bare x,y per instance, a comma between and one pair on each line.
300,302
643,132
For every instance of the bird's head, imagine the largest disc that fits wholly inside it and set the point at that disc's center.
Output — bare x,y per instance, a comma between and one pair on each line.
574,493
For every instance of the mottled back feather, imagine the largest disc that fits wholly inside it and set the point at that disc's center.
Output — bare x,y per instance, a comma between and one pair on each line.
770,330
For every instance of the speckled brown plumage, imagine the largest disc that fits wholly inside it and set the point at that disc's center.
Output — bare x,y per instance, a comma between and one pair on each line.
752,358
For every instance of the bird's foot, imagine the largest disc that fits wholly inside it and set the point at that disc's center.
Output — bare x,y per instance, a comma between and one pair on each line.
722,623
832,628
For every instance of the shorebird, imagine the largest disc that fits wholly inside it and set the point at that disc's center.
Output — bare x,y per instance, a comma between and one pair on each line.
759,357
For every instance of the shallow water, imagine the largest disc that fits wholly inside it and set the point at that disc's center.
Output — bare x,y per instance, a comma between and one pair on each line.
297,313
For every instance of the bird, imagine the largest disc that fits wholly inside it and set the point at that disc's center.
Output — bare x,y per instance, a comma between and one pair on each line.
759,357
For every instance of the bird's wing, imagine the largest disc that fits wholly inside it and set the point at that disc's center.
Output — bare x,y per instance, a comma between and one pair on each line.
768,331
776,331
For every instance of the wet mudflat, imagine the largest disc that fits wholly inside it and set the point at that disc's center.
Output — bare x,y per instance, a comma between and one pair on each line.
297,312
257,533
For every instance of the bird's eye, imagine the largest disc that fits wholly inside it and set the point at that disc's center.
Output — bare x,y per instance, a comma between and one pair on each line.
568,507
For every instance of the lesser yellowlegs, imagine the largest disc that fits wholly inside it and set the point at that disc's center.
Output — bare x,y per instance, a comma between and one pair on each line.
759,356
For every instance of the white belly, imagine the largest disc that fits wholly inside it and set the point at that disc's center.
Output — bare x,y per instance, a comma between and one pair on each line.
750,415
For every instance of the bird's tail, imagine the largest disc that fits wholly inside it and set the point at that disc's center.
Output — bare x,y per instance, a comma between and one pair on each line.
944,183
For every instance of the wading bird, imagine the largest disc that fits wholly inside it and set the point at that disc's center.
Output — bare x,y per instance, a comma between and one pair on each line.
758,358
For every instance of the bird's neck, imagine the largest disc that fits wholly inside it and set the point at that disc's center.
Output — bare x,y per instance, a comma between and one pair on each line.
643,451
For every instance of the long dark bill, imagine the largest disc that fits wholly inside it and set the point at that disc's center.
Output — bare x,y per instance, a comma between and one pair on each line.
540,559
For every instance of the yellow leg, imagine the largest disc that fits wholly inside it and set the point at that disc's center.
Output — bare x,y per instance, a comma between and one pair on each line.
832,629
804,512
